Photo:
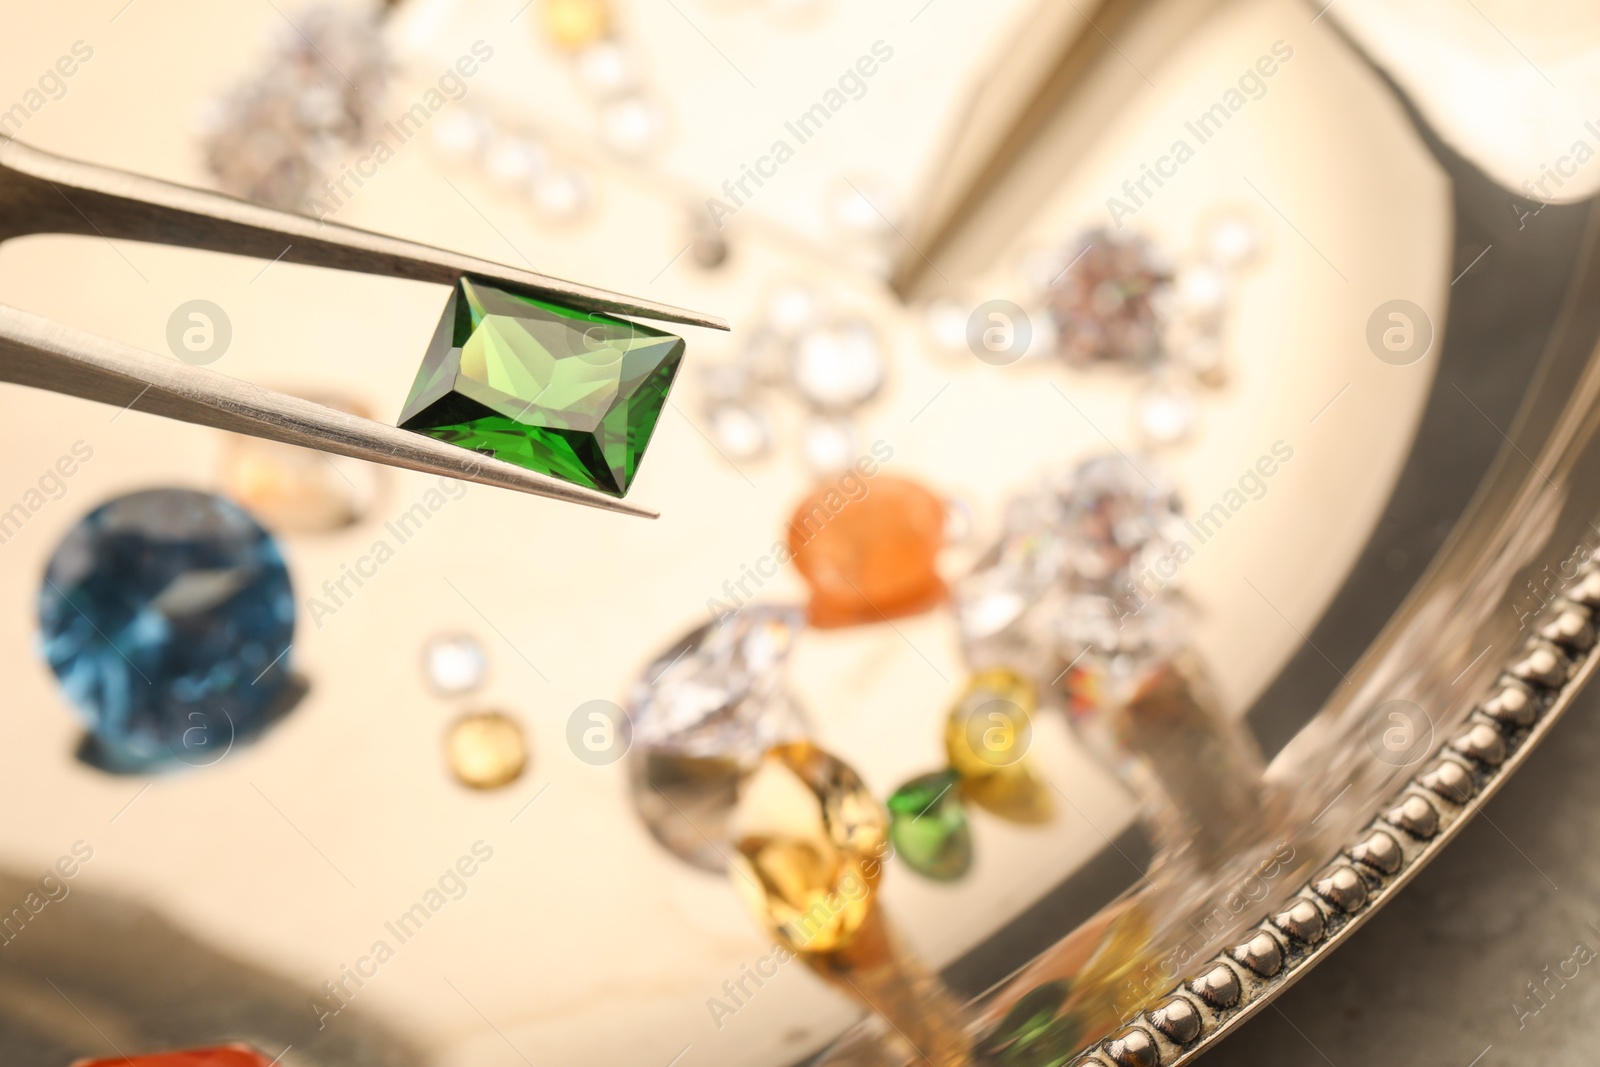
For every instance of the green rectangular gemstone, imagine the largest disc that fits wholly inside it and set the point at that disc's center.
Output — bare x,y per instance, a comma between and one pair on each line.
572,394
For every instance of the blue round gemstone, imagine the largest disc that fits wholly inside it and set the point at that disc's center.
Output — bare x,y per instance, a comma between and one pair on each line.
165,615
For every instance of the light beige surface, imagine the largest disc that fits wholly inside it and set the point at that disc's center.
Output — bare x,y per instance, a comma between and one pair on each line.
580,941
1514,87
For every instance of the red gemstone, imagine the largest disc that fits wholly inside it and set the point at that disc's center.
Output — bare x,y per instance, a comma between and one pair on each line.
221,1056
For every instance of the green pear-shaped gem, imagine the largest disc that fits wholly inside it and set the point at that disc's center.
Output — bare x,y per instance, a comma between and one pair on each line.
928,826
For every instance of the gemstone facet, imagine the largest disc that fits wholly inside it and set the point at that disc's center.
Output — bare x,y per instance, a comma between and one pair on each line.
1064,575
810,841
928,826
719,691
167,615
572,394
703,713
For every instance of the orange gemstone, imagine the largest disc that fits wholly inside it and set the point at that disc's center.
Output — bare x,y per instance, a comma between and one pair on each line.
869,556
222,1056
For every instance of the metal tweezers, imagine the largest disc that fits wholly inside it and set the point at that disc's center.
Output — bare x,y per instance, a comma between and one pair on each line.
42,193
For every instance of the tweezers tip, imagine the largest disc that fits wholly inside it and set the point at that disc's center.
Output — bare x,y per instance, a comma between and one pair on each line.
632,509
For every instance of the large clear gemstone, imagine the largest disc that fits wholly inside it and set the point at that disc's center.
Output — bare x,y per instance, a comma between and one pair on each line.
1076,569
719,690
703,715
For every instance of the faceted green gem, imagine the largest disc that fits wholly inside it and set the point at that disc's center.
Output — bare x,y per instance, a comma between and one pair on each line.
928,825
571,394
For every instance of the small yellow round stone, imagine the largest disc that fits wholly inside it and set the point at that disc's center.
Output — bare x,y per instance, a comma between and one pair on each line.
486,750
573,25
991,725
986,738
811,841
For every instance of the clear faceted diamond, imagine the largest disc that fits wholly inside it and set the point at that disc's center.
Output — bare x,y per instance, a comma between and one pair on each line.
703,715
719,691
1061,578
1116,517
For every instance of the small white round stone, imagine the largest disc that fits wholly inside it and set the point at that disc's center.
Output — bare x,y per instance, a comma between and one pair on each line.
461,135
740,430
454,663
858,206
946,322
1232,241
513,160
1202,290
605,69
792,308
1166,411
829,444
838,367
630,125
560,194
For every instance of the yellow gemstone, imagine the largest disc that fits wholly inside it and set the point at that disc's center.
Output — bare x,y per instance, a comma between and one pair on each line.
573,25
991,725
986,738
486,750
811,842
